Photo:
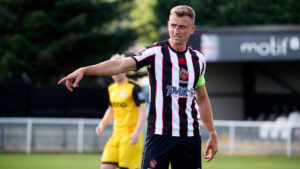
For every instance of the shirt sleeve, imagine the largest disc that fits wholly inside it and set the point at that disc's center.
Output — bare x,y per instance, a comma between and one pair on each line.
202,64
144,57
109,103
138,95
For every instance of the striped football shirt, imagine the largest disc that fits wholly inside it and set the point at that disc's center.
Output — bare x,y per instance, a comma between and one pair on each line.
173,77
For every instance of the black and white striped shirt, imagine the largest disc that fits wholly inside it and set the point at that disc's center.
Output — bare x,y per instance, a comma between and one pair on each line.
173,76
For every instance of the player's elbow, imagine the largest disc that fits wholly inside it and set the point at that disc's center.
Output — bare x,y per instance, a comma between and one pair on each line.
117,67
121,66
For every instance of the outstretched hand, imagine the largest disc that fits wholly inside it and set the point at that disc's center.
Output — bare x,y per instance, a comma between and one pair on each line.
76,75
212,146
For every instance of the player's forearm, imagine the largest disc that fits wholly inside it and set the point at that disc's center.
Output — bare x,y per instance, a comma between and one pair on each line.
108,117
205,109
206,115
141,119
207,118
106,68
110,67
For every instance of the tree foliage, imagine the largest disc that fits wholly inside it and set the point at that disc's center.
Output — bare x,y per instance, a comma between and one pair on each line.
145,21
57,36
235,12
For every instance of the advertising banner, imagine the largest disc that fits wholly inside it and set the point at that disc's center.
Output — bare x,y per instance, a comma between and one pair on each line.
250,47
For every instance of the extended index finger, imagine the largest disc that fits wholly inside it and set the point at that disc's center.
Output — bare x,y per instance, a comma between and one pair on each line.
62,80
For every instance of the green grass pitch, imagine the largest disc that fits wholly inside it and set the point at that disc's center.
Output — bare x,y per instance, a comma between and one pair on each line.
92,161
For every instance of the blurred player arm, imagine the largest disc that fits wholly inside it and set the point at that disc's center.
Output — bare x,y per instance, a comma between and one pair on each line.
141,120
139,100
207,119
106,68
107,118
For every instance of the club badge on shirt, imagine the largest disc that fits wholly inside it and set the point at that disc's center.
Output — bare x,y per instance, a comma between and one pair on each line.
183,75
153,163
123,93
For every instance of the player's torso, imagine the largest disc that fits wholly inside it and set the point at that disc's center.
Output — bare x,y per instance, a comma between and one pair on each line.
173,77
124,107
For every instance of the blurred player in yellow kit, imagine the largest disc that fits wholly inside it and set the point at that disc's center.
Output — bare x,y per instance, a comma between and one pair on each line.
128,109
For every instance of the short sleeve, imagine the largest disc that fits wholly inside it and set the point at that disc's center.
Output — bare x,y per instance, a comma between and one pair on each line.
202,64
144,57
109,103
138,95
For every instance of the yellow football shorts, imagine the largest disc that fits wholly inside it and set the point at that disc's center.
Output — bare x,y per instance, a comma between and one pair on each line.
119,151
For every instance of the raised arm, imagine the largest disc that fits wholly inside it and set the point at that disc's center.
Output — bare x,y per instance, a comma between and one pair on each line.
106,68
207,119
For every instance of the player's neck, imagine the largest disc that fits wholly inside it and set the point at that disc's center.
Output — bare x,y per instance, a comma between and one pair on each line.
121,80
176,46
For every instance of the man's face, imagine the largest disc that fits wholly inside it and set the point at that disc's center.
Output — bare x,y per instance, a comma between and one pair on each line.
180,29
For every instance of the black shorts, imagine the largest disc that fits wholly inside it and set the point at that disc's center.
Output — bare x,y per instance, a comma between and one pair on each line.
181,152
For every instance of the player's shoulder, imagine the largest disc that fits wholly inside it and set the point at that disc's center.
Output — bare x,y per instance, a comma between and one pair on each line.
153,46
197,52
157,44
135,85
162,43
133,82
111,86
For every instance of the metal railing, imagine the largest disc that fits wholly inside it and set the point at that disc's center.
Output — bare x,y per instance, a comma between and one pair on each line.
78,135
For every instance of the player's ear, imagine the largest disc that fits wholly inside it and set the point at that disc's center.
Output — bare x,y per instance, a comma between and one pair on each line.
193,29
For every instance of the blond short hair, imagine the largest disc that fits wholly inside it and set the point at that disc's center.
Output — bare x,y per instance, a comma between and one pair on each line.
183,10
118,56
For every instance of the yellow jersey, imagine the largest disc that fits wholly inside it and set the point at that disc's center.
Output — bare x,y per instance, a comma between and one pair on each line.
125,99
